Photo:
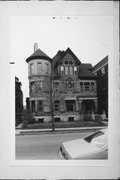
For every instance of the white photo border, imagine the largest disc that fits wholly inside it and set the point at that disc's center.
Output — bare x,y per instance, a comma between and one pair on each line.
52,169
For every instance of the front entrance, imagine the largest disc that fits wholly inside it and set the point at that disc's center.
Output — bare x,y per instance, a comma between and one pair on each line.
70,105
88,106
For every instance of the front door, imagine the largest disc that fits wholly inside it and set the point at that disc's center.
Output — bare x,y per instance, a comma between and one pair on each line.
88,106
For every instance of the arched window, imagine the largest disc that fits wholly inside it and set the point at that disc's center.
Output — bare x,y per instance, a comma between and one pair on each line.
70,63
66,62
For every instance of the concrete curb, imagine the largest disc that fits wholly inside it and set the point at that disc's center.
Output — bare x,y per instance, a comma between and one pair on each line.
58,130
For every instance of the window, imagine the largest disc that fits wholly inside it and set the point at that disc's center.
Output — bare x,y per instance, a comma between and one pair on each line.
103,70
40,105
71,70
81,86
56,105
70,105
47,68
75,70
69,83
39,67
70,119
66,62
56,86
31,68
62,70
41,120
70,62
87,86
32,86
66,70
57,119
33,106
39,85
92,86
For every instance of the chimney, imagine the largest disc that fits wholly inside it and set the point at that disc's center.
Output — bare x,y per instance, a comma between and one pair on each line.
35,47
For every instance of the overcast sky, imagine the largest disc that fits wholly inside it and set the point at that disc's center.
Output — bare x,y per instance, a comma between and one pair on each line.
89,37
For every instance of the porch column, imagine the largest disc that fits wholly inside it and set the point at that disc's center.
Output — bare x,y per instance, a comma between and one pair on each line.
35,106
30,106
80,105
96,105
77,105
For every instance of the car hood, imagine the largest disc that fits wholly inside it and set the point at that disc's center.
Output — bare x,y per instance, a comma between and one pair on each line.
79,147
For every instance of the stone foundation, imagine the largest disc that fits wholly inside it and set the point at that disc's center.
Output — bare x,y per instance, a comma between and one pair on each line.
63,117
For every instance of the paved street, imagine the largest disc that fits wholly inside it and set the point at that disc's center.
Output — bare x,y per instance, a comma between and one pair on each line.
42,146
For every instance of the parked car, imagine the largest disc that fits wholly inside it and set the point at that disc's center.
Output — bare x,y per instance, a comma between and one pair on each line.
93,146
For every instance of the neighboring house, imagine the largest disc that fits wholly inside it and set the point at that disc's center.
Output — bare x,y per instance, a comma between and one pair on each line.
18,102
64,82
101,70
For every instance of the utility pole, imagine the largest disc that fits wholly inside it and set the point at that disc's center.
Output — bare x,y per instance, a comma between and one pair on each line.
52,98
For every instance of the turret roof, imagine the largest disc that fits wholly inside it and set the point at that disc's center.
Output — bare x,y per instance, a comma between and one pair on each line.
38,54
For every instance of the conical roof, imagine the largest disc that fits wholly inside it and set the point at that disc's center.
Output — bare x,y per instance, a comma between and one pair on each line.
38,54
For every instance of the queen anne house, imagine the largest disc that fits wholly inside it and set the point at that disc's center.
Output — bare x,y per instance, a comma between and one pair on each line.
62,84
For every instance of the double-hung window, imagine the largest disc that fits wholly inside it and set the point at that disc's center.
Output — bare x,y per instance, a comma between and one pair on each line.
87,86
56,105
40,105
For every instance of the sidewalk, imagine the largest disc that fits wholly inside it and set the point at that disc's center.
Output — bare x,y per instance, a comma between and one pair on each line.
57,130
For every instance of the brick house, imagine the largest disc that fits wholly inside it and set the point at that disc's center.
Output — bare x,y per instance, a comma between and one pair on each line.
64,82
101,70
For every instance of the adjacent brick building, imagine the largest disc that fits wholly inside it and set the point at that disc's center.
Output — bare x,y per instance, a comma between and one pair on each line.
101,70
63,84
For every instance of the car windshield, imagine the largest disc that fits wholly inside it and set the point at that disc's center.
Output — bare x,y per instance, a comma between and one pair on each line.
94,135
98,138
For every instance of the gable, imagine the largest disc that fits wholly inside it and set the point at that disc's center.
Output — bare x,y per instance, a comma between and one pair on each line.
68,54
67,58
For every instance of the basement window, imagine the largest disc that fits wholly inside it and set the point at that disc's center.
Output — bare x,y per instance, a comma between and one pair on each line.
70,119
57,119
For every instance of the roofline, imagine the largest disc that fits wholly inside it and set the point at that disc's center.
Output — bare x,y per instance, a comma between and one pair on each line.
101,63
97,69
38,57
